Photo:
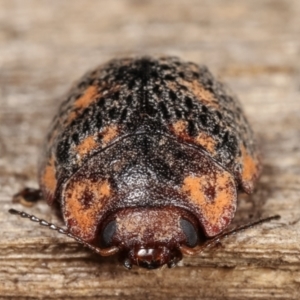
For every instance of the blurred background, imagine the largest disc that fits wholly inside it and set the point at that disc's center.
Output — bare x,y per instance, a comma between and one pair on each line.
252,45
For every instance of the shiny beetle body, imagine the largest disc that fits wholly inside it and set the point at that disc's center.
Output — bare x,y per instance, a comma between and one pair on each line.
146,156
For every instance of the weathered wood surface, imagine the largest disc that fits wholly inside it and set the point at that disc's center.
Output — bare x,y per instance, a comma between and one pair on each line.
253,45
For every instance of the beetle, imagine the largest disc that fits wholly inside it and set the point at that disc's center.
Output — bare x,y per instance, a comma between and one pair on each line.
145,157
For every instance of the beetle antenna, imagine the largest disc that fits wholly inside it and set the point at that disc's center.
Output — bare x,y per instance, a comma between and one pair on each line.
210,243
102,252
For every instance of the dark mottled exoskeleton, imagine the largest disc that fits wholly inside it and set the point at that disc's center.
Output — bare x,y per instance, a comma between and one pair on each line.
145,157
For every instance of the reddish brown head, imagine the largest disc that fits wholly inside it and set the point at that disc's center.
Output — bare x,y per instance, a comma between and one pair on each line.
148,255
150,237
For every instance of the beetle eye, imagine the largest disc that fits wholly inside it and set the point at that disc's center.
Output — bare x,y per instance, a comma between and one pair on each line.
190,233
108,233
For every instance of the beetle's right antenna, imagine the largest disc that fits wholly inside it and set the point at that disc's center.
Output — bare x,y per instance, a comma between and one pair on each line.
102,252
211,242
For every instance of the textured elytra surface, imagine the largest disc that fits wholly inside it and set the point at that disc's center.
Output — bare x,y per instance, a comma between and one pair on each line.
155,94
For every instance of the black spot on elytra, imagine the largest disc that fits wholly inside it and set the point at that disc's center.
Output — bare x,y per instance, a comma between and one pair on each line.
165,67
116,95
101,103
204,109
129,99
225,139
75,138
131,84
203,119
183,87
178,114
62,151
163,109
191,128
196,75
156,90
98,122
181,75
209,89
188,103
172,95
86,126
149,109
123,115
216,129
154,74
219,115
169,77
113,113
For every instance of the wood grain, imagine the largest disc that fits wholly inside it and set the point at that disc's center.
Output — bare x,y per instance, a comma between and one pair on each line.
253,45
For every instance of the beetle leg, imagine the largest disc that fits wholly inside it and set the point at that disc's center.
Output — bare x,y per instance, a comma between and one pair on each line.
28,196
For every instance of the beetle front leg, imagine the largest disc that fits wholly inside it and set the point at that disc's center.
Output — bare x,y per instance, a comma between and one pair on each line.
28,196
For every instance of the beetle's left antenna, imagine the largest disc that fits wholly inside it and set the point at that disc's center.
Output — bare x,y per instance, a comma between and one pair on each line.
102,252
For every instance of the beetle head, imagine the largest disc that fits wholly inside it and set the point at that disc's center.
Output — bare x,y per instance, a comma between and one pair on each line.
150,237
148,257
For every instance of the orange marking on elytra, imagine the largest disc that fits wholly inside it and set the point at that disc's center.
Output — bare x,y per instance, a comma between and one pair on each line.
72,115
179,128
48,177
86,146
84,200
250,169
215,197
202,139
109,133
201,93
206,141
249,165
87,98
83,102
